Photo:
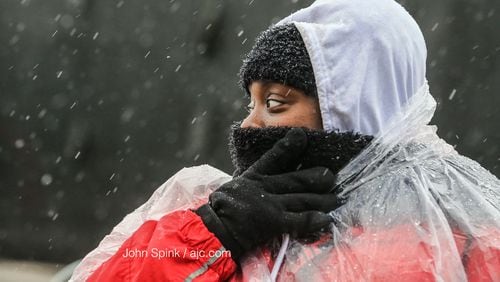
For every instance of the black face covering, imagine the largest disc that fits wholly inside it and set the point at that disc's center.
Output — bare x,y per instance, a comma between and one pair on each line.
332,150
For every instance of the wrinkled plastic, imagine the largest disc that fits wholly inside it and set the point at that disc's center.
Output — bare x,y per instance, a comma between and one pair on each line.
415,210
411,181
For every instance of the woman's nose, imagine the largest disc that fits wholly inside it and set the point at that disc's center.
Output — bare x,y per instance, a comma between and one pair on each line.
253,120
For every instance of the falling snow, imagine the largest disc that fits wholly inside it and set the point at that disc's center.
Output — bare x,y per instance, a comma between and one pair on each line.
102,104
19,143
46,179
452,94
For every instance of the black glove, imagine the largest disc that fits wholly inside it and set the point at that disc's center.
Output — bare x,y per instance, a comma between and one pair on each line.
271,198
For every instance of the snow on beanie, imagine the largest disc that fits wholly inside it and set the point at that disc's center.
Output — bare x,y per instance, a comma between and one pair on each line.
279,55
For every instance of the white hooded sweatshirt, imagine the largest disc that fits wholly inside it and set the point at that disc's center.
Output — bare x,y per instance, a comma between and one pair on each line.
368,59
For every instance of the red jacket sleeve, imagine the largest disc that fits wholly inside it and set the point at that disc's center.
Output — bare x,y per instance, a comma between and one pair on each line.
178,247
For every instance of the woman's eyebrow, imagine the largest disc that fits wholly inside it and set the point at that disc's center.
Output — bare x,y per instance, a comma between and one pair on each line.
281,89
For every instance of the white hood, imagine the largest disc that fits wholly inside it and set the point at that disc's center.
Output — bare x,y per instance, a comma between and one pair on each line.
368,58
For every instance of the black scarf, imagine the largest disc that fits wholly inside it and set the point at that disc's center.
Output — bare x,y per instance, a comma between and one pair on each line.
328,149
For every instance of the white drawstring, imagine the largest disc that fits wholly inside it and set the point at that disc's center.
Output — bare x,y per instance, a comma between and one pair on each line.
280,258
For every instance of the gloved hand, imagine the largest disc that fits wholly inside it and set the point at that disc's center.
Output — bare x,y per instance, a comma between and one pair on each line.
271,198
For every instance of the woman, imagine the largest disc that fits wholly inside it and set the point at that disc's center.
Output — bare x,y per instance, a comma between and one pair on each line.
361,188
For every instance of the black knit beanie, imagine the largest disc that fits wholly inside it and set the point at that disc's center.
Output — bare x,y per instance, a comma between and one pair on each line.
279,55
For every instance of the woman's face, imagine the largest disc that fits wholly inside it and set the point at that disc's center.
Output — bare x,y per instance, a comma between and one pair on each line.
275,104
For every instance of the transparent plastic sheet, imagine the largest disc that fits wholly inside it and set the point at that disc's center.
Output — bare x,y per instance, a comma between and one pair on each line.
415,209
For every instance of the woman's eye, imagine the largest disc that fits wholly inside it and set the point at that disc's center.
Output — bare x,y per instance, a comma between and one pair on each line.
271,103
250,107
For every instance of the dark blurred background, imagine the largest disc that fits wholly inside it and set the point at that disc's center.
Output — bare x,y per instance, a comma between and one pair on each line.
102,101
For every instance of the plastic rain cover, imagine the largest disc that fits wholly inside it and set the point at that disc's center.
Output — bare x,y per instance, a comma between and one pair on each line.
415,210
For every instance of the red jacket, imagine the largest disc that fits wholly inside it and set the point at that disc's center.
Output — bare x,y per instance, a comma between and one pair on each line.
178,247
